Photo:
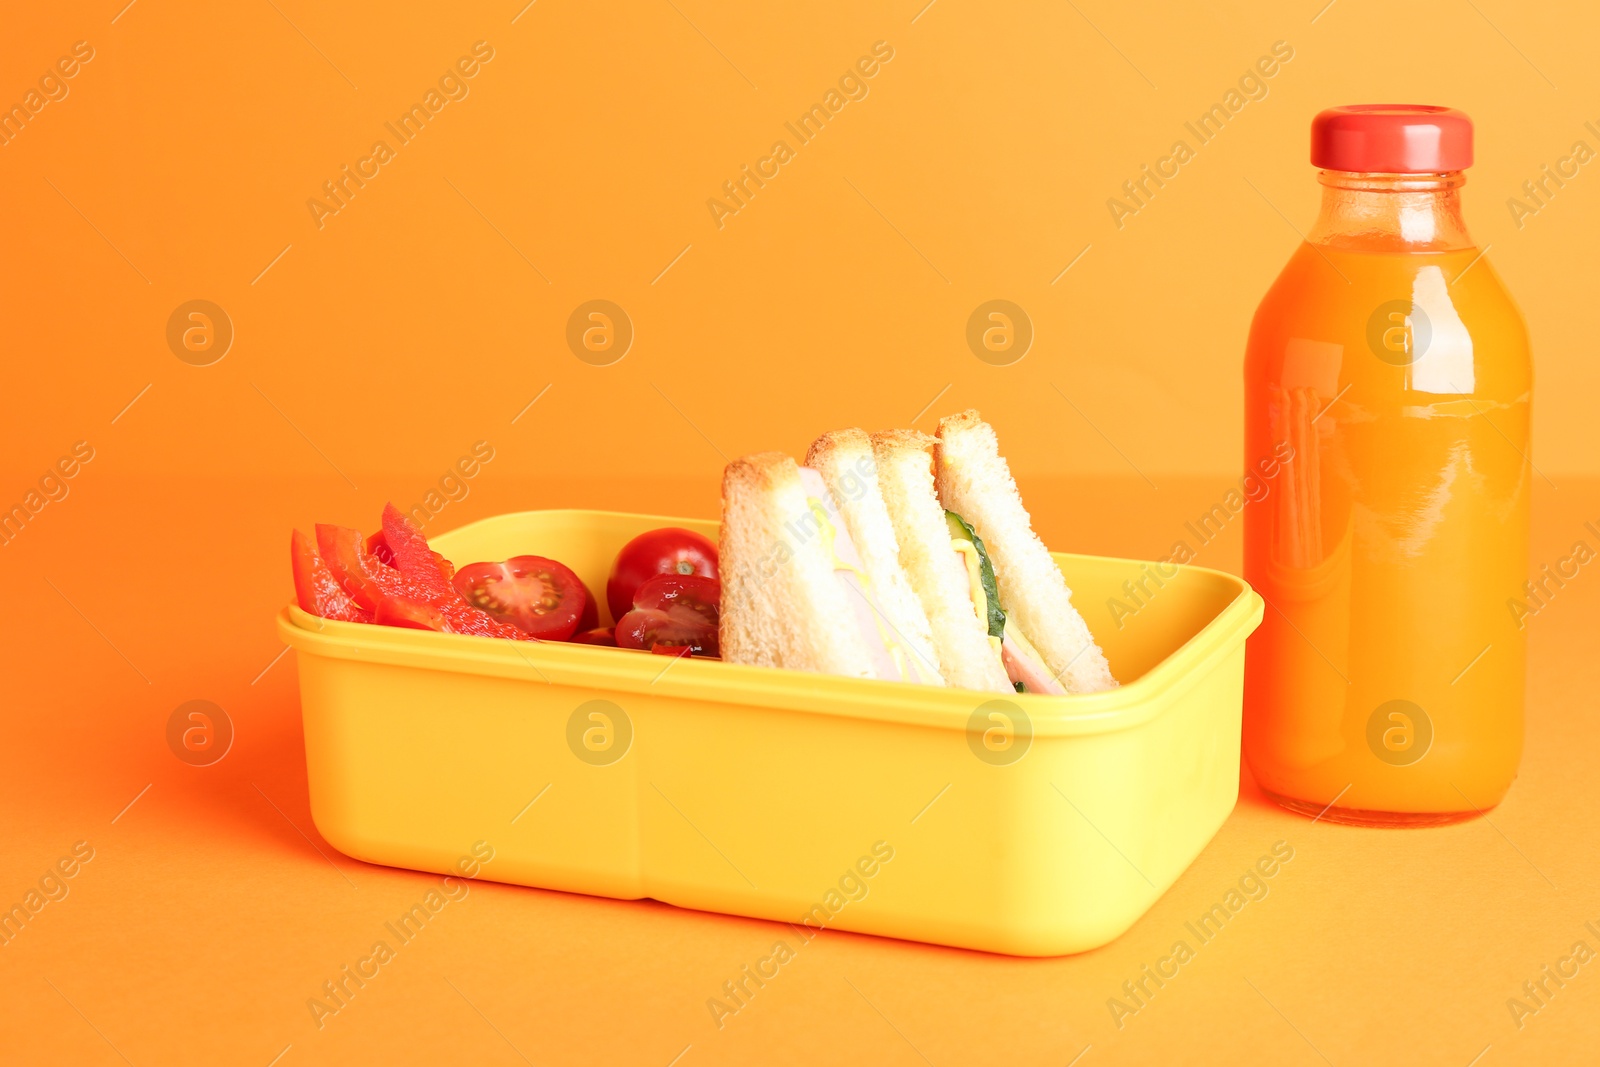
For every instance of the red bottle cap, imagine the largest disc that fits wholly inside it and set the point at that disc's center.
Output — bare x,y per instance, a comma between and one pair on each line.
1392,139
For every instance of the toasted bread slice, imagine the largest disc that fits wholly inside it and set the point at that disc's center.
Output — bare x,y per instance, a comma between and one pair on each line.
975,481
781,603
967,659
845,461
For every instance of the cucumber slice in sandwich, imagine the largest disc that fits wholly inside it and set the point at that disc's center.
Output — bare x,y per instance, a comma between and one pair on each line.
961,530
974,480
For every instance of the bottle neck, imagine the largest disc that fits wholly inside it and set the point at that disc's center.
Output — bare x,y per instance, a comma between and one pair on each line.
1391,212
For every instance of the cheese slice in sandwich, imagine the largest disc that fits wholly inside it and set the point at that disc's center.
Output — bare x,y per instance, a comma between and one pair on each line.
844,460
795,593
1042,627
950,591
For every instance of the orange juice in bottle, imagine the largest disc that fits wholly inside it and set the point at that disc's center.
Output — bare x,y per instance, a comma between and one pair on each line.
1387,384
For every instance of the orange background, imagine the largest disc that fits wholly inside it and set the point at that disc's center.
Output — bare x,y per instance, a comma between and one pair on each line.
419,320
409,326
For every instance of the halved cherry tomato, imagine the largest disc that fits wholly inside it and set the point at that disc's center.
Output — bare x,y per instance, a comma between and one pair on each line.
315,586
680,651
537,595
599,635
410,554
590,619
669,550
674,610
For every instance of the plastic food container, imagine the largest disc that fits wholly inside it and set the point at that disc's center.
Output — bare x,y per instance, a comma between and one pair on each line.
1029,825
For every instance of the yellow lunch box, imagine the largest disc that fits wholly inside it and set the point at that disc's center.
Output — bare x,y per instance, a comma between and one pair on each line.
1029,825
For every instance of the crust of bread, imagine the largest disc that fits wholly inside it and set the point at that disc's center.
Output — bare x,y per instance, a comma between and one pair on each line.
782,606
975,481
845,460
905,478
895,441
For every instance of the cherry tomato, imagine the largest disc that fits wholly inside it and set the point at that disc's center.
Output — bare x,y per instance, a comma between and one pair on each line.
315,586
537,595
599,635
680,651
674,610
669,550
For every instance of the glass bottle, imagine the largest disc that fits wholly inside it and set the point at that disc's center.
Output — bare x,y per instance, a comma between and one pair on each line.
1387,386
